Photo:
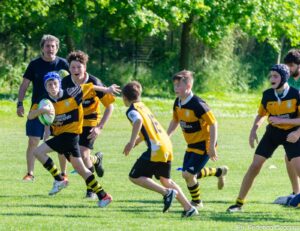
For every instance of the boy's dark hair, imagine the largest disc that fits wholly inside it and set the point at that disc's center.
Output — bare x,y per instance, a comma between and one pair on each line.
293,56
132,91
184,75
78,56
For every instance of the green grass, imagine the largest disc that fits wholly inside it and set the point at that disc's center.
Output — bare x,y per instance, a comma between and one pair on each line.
26,206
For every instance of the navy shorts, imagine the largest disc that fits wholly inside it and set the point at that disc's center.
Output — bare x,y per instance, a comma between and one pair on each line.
83,140
274,137
35,128
147,168
193,163
66,143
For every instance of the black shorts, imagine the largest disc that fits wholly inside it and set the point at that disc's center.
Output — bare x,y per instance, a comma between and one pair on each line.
274,137
66,144
83,140
148,168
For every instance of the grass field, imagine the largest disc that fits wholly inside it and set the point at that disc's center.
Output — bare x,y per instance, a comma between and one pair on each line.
27,206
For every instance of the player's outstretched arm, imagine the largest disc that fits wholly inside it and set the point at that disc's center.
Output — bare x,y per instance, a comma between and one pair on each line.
113,89
277,120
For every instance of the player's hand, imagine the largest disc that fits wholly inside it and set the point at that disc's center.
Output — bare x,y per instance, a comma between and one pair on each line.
129,146
94,133
275,120
113,89
253,137
212,153
20,111
293,137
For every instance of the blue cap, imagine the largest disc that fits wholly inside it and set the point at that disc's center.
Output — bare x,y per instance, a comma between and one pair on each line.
52,76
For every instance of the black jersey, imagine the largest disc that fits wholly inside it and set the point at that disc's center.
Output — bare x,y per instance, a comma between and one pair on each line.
36,71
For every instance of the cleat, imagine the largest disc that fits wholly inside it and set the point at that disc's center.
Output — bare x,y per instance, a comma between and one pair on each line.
98,165
190,213
234,209
90,195
105,201
168,199
197,205
221,179
57,186
28,178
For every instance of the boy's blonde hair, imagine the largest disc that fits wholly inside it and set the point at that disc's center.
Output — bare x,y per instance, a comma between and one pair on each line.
132,91
184,75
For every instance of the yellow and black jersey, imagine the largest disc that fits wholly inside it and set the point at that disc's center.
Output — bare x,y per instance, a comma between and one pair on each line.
158,142
91,105
287,107
194,118
68,109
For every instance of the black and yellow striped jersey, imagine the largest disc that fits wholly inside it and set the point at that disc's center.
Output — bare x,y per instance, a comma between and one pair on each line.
68,109
194,117
91,105
157,140
287,107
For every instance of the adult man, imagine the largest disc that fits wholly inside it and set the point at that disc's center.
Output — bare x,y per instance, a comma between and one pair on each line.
37,68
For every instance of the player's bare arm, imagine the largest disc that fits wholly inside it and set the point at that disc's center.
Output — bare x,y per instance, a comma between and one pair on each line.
172,127
213,133
253,136
22,91
134,134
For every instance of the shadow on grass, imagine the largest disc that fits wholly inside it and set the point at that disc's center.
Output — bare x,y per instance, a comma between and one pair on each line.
26,214
142,201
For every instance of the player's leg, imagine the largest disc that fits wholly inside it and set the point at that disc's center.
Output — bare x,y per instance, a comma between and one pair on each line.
141,174
294,179
35,132
219,172
247,182
188,209
63,166
90,180
192,164
85,154
41,154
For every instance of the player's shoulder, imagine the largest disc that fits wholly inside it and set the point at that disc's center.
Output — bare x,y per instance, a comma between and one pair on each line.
93,79
67,82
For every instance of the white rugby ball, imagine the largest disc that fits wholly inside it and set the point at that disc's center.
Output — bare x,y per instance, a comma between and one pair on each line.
46,119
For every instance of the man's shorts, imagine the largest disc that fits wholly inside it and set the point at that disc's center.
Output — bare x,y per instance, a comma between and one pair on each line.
66,144
83,140
147,168
274,137
35,128
193,163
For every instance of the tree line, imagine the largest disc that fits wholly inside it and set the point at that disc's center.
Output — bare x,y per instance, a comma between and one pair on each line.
229,44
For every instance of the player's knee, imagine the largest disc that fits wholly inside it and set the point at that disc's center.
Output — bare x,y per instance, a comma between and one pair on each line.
255,167
33,142
133,180
166,182
187,176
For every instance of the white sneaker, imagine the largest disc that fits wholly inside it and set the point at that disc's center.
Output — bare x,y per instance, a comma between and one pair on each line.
190,213
197,205
57,186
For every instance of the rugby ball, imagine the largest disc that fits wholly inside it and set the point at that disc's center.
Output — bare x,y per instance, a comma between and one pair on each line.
45,118
63,73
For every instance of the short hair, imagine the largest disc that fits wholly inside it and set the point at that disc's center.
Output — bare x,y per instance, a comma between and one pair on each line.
184,75
293,56
79,56
132,91
49,37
